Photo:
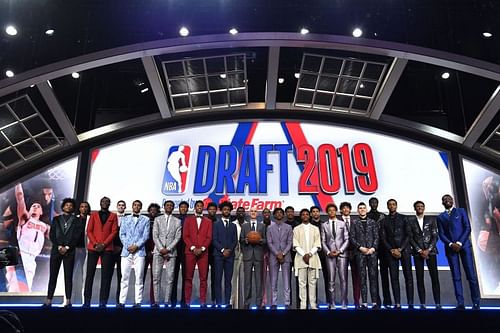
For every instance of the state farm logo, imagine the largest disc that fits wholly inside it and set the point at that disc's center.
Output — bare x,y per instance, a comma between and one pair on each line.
176,170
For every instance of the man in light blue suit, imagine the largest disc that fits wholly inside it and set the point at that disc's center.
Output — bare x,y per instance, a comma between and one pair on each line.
134,232
279,241
454,231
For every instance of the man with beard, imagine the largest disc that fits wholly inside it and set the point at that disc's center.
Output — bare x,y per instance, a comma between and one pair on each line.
266,219
180,264
80,268
316,221
153,212
212,215
237,280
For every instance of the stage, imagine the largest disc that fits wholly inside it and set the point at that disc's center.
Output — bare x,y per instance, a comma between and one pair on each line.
145,319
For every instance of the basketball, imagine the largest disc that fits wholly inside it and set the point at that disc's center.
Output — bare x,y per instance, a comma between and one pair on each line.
183,168
253,237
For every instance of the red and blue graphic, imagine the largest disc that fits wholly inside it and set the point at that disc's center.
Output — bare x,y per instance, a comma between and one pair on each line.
176,170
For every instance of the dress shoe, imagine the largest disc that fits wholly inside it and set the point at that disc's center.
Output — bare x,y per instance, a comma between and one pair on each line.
423,307
439,307
68,306
155,306
388,306
397,307
476,306
344,307
363,307
274,307
120,306
137,306
460,307
375,307
46,305
102,306
204,306
86,305
411,307
332,306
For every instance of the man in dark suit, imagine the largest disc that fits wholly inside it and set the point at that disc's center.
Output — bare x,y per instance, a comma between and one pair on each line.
423,238
395,236
454,231
212,215
180,263
253,257
224,240
197,235
101,230
65,233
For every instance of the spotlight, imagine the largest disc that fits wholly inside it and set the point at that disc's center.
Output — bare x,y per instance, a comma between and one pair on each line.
144,90
445,75
75,75
281,80
49,32
361,85
11,30
487,34
9,73
184,32
304,31
357,32
297,75
233,31
223,76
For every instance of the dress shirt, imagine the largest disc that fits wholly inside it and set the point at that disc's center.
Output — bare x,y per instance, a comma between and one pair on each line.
420,221
307,233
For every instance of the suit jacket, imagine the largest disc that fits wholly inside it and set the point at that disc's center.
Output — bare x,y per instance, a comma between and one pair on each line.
454,227
338,240
352,220
423,239
69,236
394,233
299,241
167,235
251,251
224,237
361,236
132,232
102,233
280,239
193,236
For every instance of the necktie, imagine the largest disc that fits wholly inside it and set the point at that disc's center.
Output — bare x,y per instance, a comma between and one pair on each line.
347,222
136,215
225,223
253,226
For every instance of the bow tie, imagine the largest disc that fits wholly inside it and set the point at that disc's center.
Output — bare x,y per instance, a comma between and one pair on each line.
136,215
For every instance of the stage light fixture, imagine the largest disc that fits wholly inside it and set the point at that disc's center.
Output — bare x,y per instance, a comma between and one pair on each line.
184,32
144,90
9,73
233,31
222,76
297,75
281,80
361,85
357,32
49,32
304,31
75,75
11,30
487,34
445,75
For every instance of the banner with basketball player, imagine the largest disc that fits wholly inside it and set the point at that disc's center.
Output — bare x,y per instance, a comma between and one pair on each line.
27,211
269,164
483,193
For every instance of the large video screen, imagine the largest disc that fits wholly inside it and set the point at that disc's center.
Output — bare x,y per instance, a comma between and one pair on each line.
483,190
270,164
27,211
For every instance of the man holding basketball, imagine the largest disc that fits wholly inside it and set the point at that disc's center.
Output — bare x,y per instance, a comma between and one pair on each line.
253,241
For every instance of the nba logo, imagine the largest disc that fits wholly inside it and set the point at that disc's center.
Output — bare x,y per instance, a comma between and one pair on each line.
176,170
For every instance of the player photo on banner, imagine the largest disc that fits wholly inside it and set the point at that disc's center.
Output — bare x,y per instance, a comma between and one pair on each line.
483,190
27,211
269,164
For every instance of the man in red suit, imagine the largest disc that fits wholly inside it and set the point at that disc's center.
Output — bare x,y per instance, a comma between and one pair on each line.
197,235
101,230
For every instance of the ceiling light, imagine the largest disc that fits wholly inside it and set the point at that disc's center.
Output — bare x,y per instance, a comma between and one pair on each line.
49,32
11,30
445,75
281,80
75,75
487,34
304,31
144,90
32,85
233,31
297,75
357,32
184,32
9,73
361,85
223,76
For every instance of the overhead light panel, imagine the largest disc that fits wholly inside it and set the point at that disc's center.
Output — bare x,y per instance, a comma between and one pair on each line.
487,34
11,30
357,32
304,31
9,73
144,90
233,31
49,32
75,75
184,32
445,75
281,80
297,75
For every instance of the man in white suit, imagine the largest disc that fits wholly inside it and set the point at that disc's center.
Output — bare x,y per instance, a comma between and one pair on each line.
167,231
307,243
335,240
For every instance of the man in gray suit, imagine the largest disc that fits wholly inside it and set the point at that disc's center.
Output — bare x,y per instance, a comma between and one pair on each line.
166,234
279,241
253,257
335,240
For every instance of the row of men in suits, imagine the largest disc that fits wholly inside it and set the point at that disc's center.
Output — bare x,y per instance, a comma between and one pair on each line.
177,245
